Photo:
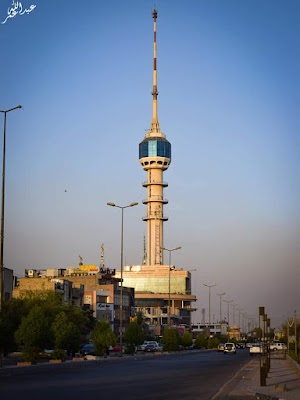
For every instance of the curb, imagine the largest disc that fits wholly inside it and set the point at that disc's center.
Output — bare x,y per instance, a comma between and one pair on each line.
294,363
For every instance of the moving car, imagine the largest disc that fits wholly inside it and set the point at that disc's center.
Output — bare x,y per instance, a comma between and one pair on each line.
229,348
221,347
256,348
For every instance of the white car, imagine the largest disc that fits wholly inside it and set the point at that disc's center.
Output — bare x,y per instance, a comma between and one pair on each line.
158,347
278,346
256,348
229,348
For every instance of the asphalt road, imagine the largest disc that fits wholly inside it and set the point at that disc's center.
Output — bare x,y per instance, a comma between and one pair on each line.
191,375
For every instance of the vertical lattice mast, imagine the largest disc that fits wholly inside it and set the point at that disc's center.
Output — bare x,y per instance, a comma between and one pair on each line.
155,157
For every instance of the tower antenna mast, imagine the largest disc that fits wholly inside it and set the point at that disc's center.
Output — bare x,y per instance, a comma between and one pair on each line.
154,124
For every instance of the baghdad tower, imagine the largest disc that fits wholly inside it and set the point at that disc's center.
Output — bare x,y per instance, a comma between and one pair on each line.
161,292
155,157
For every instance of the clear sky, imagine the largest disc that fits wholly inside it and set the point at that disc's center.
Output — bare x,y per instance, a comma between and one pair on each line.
229,96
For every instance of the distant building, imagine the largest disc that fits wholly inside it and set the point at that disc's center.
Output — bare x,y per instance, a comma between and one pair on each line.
234,332
84,286
70,294
213,329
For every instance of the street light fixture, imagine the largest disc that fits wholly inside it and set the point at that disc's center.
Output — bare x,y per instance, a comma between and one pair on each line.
209,286
169,301
121,291
2,209
220,295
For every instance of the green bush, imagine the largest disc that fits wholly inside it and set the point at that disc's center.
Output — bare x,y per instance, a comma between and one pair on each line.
103,337
201,341
170,339
186,340
213,343
134,335
58,354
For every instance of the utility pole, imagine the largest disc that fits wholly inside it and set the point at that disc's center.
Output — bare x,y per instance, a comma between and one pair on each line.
296,341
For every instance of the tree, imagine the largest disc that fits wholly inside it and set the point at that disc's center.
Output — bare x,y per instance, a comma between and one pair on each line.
170,339
17,308
83,323
65,333
213,342
200,341
103,337
34,333
134,335
186,340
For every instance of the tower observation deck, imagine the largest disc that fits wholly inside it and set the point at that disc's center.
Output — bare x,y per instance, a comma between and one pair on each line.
155,157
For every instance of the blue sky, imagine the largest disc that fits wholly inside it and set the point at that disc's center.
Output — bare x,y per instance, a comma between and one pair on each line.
229,94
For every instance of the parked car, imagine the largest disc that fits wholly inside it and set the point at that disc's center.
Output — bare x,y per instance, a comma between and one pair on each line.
46,353
278,346
116,348
154,342
221,347
150,348
87,349
229,348
256,348
139,348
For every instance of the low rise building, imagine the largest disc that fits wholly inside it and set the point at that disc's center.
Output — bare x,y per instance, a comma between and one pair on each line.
85,286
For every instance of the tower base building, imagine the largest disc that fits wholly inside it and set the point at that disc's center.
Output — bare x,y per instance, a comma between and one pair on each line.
162,294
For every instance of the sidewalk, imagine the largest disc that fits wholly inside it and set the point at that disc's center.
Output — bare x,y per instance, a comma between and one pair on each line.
283,382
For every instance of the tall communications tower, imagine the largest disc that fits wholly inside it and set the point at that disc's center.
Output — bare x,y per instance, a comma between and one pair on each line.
155,157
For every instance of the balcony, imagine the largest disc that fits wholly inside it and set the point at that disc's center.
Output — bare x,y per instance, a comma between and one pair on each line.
151,216
156,199
164,184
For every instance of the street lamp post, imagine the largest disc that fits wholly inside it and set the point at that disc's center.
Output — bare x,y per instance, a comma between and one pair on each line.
228,302
169,300
233,313
220,295
239,310
209,286
2,209
121,262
